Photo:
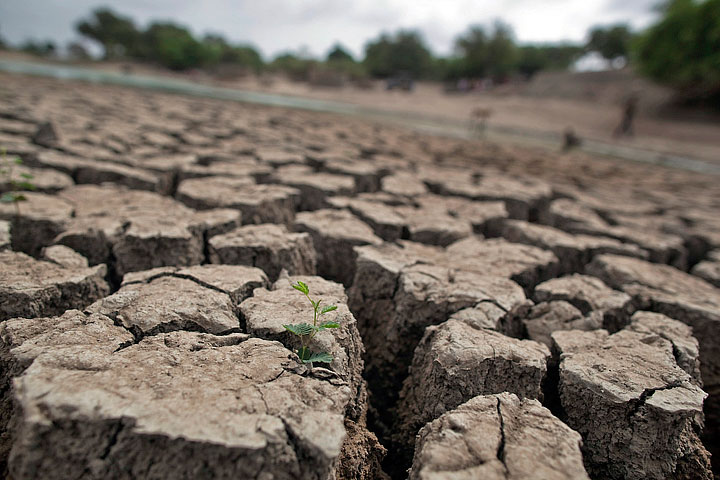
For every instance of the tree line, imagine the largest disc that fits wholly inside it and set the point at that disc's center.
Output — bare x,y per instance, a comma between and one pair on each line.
682,50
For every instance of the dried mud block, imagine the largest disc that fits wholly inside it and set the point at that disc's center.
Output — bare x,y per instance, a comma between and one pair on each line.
403,184
211,192
709,270
367,174
314,187
141,230
115,416
422,295
22,340
46,135
685,347
455,362
268,247
548,317
243,167
64,256
203,299
334,234
525,198
661,247
385,221
486,218
589,294
42,217
277,157
432,226
34,288
235,280
45,180
573,217
377,274
573,251
216,221
577,218
638,412
167,167
267,311
498,437
664,289
524,264
84,170
258,203
5,238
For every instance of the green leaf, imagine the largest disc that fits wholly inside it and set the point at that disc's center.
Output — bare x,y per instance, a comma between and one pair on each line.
18,161
325,325
320,357
25,185
299,329
20,198
301,287
7,198
328,308
27,176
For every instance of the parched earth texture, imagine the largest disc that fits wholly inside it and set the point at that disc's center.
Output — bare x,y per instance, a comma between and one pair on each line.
504,313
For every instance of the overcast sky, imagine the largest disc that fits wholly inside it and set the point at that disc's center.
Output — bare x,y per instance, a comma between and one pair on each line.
274,26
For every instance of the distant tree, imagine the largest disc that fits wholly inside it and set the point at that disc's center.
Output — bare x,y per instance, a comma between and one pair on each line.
610,42
77,51
472,47
45,48
493,55
534,58
683,49
404,52
117,35
502,53
294,66
173,46
339,54
218,51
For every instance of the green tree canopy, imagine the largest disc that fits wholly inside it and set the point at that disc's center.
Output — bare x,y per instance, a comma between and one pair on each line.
683,49
339,54
172,46
610,42
404,52
484,55
534,58
117,35
42,48
472,48
217,50
294,66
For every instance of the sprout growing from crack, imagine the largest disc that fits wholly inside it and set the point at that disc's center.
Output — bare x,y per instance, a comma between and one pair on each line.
14,196
306,331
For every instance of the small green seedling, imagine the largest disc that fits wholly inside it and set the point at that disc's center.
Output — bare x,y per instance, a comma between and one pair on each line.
306,332
14,197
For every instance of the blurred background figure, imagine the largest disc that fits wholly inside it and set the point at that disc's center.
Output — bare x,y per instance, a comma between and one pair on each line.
570,140
478,120
625,128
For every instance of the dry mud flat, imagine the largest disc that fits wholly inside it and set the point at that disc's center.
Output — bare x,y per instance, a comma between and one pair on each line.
503,313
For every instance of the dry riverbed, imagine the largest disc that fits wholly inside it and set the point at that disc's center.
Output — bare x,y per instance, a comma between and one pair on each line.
504,313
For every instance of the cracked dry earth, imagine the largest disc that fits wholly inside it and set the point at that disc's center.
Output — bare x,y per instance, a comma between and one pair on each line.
505,314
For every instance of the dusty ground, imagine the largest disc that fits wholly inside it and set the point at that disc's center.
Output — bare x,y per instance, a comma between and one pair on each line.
497,304
536,113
